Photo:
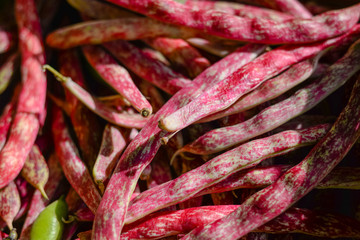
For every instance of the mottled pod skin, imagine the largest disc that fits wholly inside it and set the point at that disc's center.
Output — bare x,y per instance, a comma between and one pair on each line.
110,215
38,202
9,203
293,7
123,119
244,80
6,40
146,67
181,54
117,77
85,123
245,156
248,30
295,183
100,31
74,169
30,110
35,170
5,122
238,9
271,88
112,145
295,220
277,114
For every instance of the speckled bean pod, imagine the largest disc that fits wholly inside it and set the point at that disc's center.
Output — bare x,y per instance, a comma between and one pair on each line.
35,170
219,168
147,68
244,80
295,183
30,111
110,215
74,169
5,122
275,115
249,30
293,7
113,143
6,40
295,220
117,77
100,31
9,203
246,11
124,119
270,89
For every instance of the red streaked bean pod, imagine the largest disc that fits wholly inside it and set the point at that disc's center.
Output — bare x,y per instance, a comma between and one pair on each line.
6,40
147,68
323,26
293,7
270,202
100,31
246,11
128,120
113,143
244,80
35,170
219,168
5,122
9,203
74,169
38,203
110,215
117,77
7,71
301,101
271,88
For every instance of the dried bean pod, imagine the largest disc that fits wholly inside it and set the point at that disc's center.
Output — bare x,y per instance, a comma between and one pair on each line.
250,30
113,143
147,68
139,153
38,203
84,235
35,170
244,80
117,77
220,167
9,203
271,88
295,183
275,115
121,119
74,169
246,11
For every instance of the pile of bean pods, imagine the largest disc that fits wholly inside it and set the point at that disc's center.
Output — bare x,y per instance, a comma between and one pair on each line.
193,119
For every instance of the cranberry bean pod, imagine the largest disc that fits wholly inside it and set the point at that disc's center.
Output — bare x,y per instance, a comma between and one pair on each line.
110,215
6,40
5,122
121,119
9,203
147,68
295,183
219,168
74,169
238,9
293,7
113,143
117,77
243,81
100,31
271,88
244,29
275,115
35,170
38,203
181,54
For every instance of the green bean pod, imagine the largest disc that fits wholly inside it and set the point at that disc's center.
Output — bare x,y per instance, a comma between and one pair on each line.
49,224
